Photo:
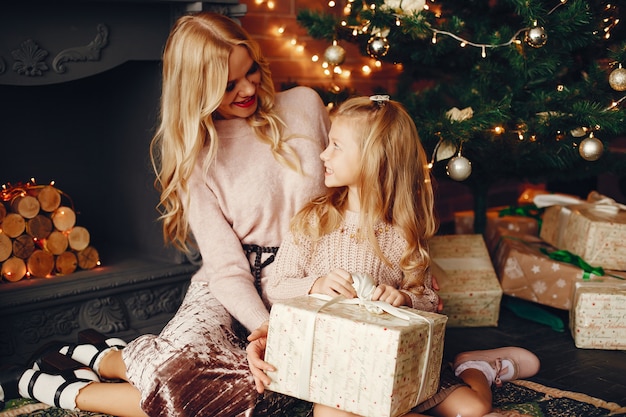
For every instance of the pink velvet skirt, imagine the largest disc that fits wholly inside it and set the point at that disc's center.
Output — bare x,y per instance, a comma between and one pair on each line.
197,366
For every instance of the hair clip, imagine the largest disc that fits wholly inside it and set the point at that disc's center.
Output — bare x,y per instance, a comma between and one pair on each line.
380,99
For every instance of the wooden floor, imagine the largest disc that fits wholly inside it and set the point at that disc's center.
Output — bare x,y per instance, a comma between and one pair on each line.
599,373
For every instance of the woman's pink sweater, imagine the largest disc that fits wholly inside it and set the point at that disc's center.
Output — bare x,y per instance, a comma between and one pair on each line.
249,198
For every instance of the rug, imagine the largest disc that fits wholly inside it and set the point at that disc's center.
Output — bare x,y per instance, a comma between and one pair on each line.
514,399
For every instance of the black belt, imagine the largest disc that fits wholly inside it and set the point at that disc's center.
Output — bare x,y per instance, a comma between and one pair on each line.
256,268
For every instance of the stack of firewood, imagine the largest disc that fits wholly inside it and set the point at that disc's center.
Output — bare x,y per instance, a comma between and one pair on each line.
39,236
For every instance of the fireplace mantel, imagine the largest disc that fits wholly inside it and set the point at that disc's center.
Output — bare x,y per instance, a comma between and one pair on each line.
47,42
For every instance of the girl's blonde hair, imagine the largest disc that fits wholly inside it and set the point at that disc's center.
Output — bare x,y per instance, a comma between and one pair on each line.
195,75
395,183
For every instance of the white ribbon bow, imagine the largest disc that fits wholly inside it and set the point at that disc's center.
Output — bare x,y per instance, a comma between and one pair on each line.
364,286
595,201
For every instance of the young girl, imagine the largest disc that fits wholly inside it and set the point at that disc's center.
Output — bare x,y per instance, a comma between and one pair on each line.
376,218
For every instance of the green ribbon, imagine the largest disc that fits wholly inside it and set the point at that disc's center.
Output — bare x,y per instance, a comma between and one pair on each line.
527,210
570,258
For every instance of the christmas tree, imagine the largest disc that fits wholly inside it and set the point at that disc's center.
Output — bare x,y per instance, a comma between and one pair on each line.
502,89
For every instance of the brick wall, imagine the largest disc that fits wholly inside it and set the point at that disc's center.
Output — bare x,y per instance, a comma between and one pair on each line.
291,64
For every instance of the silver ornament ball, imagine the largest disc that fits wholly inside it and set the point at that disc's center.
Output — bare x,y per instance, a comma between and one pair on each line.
536,37
459,168
617,79
335,55
377,47
591,148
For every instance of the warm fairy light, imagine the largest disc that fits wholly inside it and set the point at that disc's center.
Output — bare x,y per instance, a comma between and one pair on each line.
271,5
326,71
434,39
337,69
258,2
484,52
365,69
520,136
378,64
331,3
315,58
281,30
324,64
463,44
498,130
373,7
344,23
300,48
345,74
293,41
560,87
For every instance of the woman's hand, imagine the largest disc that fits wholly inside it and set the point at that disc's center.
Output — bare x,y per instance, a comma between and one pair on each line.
391,295
337,282
256,353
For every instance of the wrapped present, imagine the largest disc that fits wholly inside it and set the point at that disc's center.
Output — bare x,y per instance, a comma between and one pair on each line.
468,283
593,229
352,358
598,316
526,270
497,217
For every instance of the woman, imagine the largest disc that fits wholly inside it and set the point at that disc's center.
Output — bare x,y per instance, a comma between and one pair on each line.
234,162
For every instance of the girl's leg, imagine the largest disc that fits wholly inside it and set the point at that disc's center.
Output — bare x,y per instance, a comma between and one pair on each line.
471,401
479,370
320,410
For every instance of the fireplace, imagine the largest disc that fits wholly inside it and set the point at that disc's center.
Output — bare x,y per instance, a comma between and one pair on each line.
79,93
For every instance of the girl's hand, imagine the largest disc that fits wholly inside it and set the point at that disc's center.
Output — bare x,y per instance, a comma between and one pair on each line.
436,288
337,282
391,295
256,353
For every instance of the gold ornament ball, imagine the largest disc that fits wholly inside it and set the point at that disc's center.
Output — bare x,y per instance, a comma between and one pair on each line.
459,168
591,148
335,55
617,79
536,37
377,47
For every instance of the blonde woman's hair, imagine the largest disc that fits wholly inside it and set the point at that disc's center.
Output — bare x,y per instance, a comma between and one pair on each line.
195,75
395,184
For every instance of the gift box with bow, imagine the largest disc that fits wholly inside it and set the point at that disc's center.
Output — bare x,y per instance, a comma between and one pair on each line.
533,270
364,357
594,229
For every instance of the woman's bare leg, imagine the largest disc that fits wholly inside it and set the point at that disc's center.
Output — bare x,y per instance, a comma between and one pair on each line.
112,366
115,398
